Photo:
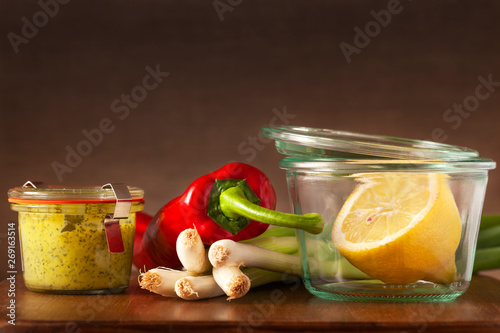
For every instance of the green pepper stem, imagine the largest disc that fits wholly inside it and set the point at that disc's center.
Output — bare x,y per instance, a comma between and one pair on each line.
233,204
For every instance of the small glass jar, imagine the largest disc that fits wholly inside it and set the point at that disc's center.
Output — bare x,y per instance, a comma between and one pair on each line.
401,216
73,240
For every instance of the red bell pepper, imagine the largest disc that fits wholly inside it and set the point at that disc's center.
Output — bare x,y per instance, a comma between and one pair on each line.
141,223
224,204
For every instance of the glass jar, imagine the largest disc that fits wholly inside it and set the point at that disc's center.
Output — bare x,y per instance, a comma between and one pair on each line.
76,240
432,257
401,216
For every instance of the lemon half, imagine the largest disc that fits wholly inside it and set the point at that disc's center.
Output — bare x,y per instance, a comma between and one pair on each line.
400,227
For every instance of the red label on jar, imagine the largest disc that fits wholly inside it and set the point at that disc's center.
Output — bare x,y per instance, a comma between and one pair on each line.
114,236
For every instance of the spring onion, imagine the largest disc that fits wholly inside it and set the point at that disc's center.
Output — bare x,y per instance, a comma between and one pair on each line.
193,288
487,258
274,231
229,253
161,280
286,245
488,221
232,281
197,287
489,237
488,244
191,251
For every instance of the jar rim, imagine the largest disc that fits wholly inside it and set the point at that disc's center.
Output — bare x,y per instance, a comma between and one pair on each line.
54,194
383,165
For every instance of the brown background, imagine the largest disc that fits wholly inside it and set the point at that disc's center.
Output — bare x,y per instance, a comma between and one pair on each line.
226,77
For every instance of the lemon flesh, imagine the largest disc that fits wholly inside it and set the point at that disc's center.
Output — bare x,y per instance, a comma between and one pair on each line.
400,227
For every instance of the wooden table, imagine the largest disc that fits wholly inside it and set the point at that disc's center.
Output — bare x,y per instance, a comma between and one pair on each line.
284,307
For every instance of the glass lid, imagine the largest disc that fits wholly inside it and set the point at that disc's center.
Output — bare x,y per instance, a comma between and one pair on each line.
70,194
326,143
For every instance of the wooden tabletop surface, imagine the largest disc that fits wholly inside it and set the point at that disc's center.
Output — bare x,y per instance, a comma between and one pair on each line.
276,307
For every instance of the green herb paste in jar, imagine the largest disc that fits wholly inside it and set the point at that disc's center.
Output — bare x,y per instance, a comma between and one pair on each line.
65,248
